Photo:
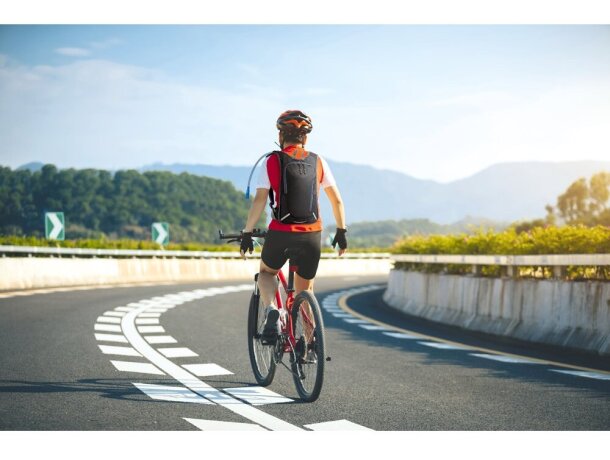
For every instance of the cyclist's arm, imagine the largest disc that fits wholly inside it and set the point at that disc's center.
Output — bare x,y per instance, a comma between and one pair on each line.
257,208
338,210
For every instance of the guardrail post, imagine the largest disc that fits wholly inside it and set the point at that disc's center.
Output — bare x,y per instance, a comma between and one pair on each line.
559,272
476,270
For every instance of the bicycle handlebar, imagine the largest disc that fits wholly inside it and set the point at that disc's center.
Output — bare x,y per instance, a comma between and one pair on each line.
257,233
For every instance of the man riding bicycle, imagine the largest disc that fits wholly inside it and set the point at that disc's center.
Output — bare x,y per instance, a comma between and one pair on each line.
291,179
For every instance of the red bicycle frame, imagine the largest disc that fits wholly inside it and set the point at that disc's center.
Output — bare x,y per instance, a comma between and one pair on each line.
288,287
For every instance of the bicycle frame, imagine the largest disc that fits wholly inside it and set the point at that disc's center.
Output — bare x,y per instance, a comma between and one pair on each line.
288,287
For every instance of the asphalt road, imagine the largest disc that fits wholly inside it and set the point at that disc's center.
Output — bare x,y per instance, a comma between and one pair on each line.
62,368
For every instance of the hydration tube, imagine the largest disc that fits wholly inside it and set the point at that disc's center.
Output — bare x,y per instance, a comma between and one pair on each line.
252,172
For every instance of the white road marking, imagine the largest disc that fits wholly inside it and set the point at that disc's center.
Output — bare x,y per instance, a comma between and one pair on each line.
373,327
110,338
142,368
115,313
443,346
342,315
339,425
213,425
196,385
178,352
156,310
147,321
590,375
400,335
109,319
107,328
125,309
171,393
504,359
124,351
150,329
257,396
206,370
160,339
355,321
149,315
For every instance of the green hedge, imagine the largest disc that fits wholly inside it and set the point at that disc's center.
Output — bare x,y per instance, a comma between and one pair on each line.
111,244
539,240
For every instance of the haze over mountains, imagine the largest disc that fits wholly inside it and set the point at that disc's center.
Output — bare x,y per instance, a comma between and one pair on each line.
504,192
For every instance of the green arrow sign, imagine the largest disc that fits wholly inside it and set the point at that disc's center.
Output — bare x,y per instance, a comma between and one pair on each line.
54,227
160,233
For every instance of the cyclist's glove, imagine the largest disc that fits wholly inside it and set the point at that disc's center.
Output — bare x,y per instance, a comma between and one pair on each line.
340,238
246,242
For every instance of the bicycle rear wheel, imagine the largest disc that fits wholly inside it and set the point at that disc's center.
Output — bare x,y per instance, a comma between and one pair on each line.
261,356
308,330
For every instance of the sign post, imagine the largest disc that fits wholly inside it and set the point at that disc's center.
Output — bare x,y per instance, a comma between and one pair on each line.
54,226
160,233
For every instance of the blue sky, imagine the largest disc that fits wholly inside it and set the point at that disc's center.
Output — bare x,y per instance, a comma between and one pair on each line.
436,102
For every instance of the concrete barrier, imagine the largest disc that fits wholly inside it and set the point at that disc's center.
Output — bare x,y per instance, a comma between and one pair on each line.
33,273
573,314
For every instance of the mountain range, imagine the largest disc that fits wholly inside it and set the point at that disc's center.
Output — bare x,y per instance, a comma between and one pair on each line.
504,192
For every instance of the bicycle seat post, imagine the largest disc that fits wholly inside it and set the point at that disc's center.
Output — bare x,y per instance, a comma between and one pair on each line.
291,271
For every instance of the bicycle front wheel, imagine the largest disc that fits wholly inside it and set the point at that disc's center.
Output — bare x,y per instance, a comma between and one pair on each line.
310,353
261,356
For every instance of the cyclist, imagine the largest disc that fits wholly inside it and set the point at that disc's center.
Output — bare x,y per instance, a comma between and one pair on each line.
292,179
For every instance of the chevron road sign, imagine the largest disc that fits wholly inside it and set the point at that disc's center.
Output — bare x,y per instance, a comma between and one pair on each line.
160,233
54,227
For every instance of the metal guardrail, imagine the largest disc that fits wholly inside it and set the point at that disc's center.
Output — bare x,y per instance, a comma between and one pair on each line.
156,253
511,263
507,260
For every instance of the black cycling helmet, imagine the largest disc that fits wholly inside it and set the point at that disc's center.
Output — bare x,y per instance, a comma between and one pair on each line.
294,121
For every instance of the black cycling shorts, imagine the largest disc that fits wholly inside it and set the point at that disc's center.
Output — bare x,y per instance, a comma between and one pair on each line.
305,248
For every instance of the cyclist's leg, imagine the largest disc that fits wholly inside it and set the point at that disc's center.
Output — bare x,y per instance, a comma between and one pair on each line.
267,283
302,284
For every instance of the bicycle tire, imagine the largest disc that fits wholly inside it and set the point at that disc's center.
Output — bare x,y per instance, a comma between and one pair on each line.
308,370
261,356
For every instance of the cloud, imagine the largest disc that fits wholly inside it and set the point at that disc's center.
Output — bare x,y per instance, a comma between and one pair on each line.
73,52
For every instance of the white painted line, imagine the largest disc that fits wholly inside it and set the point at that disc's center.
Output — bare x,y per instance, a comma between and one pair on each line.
149,315
108,319
504,359
257,396
125,309
194,384
443,346
400,335
156,310
373,327
142,368
355,321
342,315
150,329
206,370
115,313
107,328
589,375
160,339
171,393
213,425
339,425
110,338
178,352
147,321
124,351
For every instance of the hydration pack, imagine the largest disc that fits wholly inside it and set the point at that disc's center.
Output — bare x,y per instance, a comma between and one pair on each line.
297,202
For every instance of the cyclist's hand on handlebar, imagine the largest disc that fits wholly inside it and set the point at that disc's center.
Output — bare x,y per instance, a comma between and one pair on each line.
341,240
247,245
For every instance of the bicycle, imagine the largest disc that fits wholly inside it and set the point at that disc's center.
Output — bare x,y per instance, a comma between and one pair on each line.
301,336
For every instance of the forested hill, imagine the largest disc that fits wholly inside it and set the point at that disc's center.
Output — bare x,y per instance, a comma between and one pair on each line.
98,203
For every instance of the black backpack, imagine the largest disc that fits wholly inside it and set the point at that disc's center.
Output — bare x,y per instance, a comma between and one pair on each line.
298,197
